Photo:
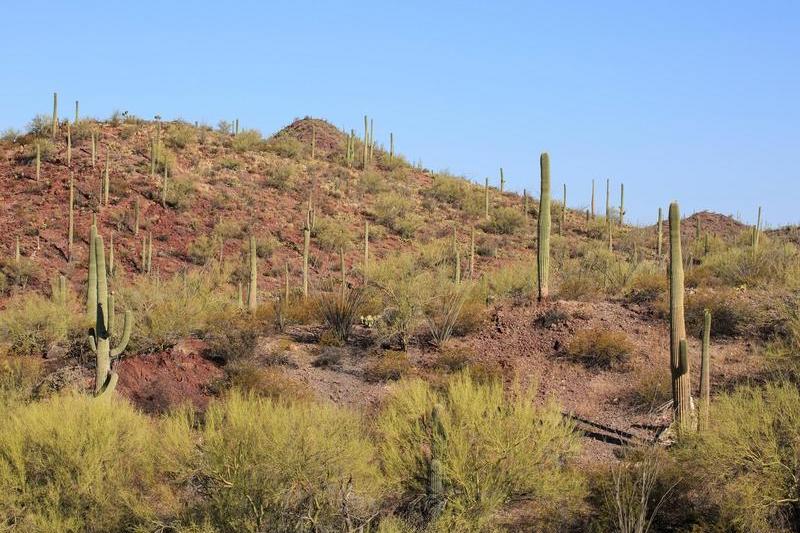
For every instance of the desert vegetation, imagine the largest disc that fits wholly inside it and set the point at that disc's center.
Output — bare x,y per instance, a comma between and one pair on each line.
212,330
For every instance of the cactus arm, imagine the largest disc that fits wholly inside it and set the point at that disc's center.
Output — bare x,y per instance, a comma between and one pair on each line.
126,335
92,344
109,386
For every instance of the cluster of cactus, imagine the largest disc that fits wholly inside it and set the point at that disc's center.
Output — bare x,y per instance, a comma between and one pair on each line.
543,242
679,361
100,308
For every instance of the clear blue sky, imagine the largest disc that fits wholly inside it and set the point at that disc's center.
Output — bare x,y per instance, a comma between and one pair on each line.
693,101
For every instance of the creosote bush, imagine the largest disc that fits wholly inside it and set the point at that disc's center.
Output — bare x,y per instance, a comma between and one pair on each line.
504,220
600,347
491,448
31,324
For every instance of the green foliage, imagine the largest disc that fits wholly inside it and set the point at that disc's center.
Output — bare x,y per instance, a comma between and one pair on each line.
775,264
284,467
493,448
395,211
179,135
247,141
513,280
273,383
18,378
601,347
180,193
19,273
31,324
76,464
340,310
745,465
332,234
504,220
203,249
286,146
731,313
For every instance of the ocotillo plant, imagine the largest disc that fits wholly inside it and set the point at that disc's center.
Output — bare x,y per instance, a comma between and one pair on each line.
502,180
621,204
71,228
76,112
660,236
69,145
252,289
486,199
543,243
592,212
681,385
705,373
91,293
55,115
38,161
100,334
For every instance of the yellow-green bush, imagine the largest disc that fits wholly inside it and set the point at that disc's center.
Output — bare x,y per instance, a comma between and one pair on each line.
74,463
493,448
388,366
31,324
18,377
332,234
746,463
284,467
601,347
395,211
504,220
247,140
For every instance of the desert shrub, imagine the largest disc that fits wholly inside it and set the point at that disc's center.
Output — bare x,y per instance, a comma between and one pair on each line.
203,249
389,365
652,388
18,377
73,463
775,263
284,467
229,228
31,324
328,357
729,313
372,182
10,135
552,316
600,347
266,382
41,125
180,193
340,310
504,220
747,461
286,146
443,313
169,309
280,175
449,189
646,285
490,448
515,280
230,163
47,150
179,135
453,359
247,140
332,234
400,284
232,338
395,211
20,273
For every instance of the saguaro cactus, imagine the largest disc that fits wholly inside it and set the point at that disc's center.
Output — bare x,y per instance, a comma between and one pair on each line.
94,149
502,180
472,254
681,384
164,189
366,142
55,115
543,243
100,334
306,246
391,146
705,373
608,199
69,145
76,112
106,182
252,289
456,258
313,141
38,161
756,231
71,228
621,204
660,236
486,199
91,292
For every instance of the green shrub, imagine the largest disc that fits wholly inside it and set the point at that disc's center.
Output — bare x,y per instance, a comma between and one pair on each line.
775,264
286,146
247,140
20,273
492,448
31,324
41,125
746,463
395,211
729,313
284,467
601,347
179,135
389,365
203,249
232,338
180,193
504,220
18,377
46,150
273,383
280,175
77,464
515,280
372,182
332,234
341,310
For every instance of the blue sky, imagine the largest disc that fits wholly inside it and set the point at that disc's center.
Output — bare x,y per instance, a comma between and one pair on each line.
693,101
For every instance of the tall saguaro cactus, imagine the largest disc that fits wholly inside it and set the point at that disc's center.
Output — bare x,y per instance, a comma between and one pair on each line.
621,204
94,149
366,142
106,182
502,180
38,161
55,115
543,243
391,146
100,334
91,292
660,236
306,246
681,384
705,373
252,289
76,112
757,231
69,145
472,254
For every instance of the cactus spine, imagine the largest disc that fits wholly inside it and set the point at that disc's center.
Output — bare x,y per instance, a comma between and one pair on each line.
660,236
71,228
252,289
38,161
486,199
55,115
502,180
705,373
100,334
543,243
592,212
681,391
621,204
